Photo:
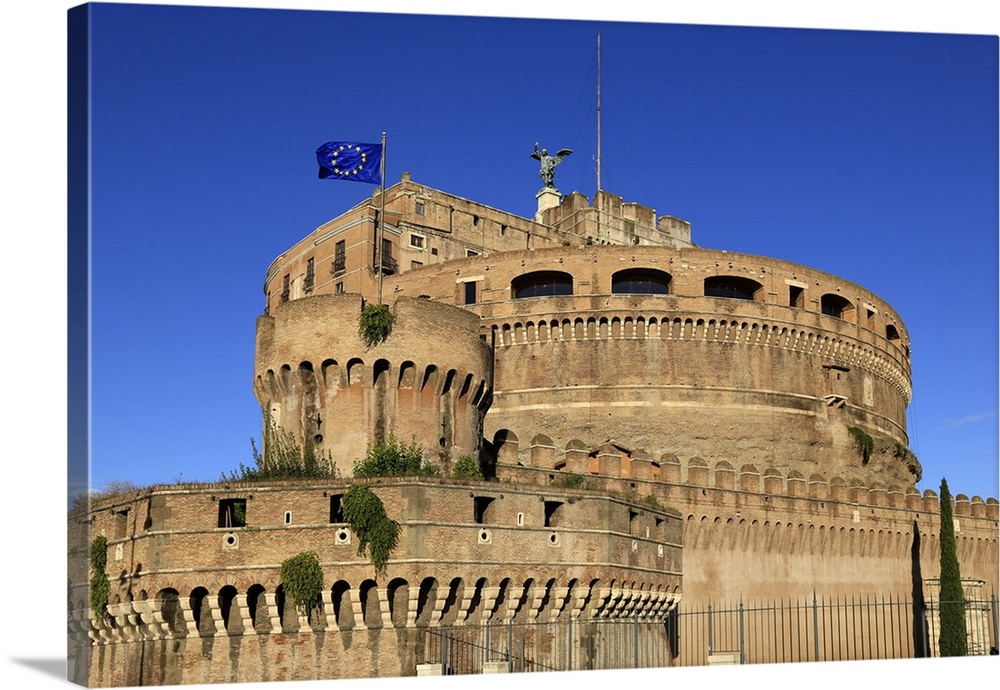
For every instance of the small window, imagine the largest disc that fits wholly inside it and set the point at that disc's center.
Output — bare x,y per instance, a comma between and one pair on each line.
288,517
419,208
310,274
340,288
416,264
336,509
233,512
470,292
633,522
417,241
871,318
552,513
340,257
482,509
286,287
471,252
542,284
387,261
796,297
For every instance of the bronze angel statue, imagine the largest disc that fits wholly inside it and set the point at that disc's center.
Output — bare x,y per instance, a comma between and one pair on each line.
549,163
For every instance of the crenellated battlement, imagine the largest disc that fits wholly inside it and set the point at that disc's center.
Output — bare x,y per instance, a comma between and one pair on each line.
611,461
317,379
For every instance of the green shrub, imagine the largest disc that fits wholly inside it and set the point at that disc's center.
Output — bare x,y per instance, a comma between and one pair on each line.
392,458
570,481
100,586
375,323
302,579
376,532
863,442
285,458
466,467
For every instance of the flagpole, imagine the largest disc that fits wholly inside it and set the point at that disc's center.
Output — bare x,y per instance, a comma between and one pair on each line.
381,222
598,112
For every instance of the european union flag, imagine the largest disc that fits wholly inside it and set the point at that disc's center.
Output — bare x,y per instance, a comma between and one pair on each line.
341,160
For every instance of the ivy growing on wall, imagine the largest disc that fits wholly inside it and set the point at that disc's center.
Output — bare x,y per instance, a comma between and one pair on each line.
302,579
100,586
863,442
376,532
375,323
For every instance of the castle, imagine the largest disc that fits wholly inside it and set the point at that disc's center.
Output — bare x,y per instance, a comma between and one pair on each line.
656,423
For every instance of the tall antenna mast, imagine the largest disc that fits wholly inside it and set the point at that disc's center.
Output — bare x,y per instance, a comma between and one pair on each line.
598,112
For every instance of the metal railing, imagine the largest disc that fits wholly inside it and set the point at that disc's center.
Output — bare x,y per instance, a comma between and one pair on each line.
779,631
825,629
569,645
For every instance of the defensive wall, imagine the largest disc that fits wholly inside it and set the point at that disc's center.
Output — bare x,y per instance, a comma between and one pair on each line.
317,379
757,532
197,599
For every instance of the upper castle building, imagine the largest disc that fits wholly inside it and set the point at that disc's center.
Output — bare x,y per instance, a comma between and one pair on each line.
604,323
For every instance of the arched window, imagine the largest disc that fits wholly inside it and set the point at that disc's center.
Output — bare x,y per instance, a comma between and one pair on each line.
542,284
640,281
837,306
734,287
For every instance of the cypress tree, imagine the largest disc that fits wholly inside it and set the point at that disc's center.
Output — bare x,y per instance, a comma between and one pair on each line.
953,641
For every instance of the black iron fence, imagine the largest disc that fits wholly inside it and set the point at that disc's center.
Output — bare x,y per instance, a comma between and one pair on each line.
825,629
816,629
568,645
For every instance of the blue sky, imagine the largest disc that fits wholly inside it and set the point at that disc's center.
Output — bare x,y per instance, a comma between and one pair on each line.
870,155
906,193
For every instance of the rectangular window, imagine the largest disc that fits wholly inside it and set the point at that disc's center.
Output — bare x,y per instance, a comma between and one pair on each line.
470,292
286,288
633,523
121,523
310,274
416,264
552,513
471,252
796,297
340,288
233,512
388,263
419,208
340,256
416,241
336,510
482,509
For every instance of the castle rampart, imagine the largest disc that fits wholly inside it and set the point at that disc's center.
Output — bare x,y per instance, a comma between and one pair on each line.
317,379
776,533
467,554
